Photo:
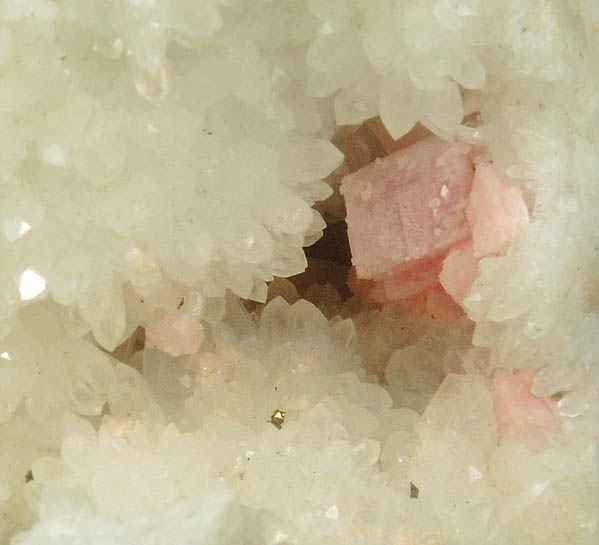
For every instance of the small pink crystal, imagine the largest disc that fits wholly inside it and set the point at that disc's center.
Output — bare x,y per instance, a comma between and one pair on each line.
460,270
176,333
408,205
407,281
413,278
514,403
496,212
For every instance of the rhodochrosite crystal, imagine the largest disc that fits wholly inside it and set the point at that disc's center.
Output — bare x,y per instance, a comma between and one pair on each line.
495,212
408,205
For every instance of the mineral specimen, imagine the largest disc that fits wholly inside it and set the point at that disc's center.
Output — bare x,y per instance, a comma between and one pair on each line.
407,206
164,377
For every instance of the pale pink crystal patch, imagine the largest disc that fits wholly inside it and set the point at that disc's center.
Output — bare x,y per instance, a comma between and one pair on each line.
460,270
515,405
413,278
496,212
176,333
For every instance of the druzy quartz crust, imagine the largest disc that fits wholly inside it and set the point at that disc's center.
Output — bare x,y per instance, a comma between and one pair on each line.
304,272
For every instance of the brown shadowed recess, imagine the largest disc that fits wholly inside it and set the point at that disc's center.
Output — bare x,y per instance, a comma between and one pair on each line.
333,246
329,261
131,346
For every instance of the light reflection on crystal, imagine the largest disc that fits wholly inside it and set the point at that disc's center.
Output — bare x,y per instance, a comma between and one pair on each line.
538,488
280,537
14,228
332,513
474,474
31,284
55,155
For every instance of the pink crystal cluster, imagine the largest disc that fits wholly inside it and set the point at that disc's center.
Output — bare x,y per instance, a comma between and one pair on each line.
420,219
175,333
514,403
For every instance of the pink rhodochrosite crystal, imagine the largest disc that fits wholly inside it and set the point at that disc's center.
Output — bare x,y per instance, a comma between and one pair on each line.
496,212
176,333
515,405
460,270
425,215
413,278
408,205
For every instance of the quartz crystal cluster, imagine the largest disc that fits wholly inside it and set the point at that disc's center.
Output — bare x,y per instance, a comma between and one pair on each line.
183,360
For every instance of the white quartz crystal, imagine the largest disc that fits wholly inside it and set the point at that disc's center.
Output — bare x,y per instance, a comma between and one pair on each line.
67,518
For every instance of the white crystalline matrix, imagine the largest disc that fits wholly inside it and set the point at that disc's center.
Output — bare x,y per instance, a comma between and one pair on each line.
159,164
149,149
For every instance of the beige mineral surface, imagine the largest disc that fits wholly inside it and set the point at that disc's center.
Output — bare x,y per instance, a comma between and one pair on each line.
181,359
